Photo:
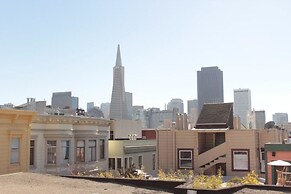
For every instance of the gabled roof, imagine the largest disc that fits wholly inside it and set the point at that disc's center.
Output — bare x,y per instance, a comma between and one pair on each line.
216,115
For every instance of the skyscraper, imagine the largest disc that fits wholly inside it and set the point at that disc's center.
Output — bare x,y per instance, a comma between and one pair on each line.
176,103
280,118
209,86
64,100
118,107
193,111
242,105
260,119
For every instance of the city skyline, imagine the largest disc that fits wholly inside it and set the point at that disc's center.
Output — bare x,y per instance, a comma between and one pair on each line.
56,46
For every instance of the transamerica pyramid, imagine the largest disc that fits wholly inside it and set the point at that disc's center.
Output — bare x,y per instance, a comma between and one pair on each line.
118,108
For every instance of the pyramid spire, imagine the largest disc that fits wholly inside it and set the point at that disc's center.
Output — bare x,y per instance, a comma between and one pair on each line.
118,57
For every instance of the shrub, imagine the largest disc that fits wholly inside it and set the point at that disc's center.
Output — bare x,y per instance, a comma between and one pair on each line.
172,175
207,182
251,178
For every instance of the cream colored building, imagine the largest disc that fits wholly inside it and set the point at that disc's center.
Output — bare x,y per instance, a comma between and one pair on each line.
214,144
140,153
126,147
14,140
60,144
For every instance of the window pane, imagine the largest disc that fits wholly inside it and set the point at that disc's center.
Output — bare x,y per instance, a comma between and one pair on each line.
112,163
51,152
80,143
92,150
118,163
15,143
186,164
102,148
65,151
31,152
185,154
92,143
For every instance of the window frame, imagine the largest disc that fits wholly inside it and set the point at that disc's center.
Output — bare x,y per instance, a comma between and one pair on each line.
81,151
102,149
52,150
66,150
185,159
92,150
140,161
16,150
32,153
233,158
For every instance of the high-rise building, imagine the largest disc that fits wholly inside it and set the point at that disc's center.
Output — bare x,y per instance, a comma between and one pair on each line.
193,112
280,118
242,105
209,86
176,103
260,119
64,100
90,105
118,107
105,107
128,98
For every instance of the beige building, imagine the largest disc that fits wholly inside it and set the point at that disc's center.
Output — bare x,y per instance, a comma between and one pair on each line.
14,140
140,153
126,147
214,144
60,144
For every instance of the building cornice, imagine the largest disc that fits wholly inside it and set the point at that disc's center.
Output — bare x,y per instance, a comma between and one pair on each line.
74,120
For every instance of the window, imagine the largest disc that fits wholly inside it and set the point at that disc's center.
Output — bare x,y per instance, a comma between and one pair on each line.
65,151
80,151
51,152
154,162
14,155
31,153
240,160
125,163
92,150
102,148
111,163
185,159
140,162
118,163
130,162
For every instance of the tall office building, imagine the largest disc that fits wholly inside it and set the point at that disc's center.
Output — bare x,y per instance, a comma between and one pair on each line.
118,107
280,118
90,105
105,108
128,99
193,112
209,86
64,100
260,119
176,103
242,105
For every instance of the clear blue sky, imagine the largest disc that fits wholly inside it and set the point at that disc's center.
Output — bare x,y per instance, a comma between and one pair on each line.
70,45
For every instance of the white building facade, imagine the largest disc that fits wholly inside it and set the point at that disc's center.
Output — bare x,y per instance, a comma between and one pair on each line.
62,144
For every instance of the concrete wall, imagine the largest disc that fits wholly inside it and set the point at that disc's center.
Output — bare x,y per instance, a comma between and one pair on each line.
122,128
